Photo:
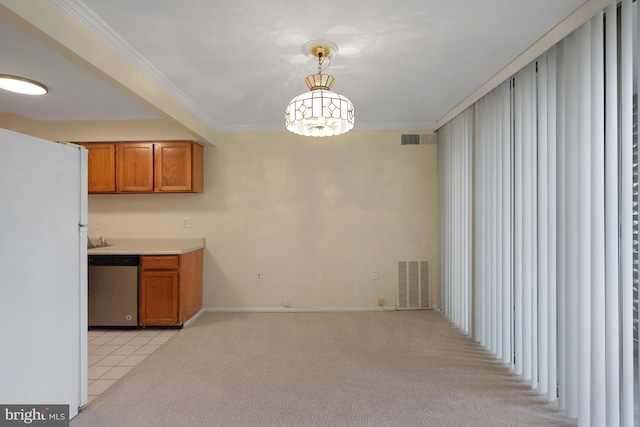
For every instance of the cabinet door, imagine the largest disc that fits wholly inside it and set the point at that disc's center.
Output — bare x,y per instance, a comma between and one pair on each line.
102,167
173,162
159,297
135,167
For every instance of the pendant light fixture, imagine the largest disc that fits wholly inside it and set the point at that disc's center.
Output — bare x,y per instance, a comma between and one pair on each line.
21,85
320,112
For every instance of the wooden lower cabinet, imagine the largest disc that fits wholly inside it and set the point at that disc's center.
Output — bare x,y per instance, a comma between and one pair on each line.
170,288
159,297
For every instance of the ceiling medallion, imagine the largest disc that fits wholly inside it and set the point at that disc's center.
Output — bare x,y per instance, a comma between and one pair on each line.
320,112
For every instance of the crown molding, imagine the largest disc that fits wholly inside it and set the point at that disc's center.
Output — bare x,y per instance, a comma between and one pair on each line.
585,12
83,14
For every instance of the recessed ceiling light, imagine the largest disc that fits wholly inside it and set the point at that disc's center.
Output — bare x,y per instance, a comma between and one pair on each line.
21,85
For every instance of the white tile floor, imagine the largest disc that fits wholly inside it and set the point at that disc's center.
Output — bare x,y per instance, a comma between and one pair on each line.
113,353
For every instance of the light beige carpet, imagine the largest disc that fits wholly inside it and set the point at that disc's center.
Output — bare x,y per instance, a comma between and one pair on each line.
320,369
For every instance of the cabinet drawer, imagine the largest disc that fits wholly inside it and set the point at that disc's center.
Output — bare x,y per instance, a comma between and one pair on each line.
155,262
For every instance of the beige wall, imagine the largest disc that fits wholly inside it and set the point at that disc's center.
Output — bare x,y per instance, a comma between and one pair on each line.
96,130
288,206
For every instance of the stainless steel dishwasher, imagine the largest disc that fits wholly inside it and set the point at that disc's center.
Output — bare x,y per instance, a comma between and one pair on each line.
113,290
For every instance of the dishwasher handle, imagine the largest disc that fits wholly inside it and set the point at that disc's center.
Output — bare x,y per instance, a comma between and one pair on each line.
114,260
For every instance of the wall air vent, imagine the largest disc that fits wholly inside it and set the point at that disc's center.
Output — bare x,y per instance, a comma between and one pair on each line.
419,139
413,285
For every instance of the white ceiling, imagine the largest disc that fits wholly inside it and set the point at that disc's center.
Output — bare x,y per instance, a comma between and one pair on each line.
236,64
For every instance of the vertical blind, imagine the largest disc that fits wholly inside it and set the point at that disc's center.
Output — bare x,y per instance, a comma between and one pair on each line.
537,227
455,213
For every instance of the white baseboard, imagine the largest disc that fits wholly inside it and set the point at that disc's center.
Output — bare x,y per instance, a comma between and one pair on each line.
194,317
294,309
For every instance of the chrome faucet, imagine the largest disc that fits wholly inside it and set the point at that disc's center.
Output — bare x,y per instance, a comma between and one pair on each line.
103,242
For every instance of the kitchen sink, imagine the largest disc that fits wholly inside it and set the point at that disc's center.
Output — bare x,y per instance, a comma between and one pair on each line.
93,246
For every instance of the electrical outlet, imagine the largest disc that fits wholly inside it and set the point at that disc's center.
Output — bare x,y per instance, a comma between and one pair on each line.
318,275
258,276
374,274
186,222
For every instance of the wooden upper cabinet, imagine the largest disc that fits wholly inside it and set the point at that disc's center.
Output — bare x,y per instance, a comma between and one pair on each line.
145,167
134,167
178,167
102,167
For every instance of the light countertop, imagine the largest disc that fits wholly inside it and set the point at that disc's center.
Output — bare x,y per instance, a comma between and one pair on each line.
147,246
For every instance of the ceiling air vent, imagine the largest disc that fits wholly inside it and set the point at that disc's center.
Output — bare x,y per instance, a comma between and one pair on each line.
419,139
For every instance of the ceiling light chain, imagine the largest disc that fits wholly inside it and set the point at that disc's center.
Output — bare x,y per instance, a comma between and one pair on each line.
320,112
321,60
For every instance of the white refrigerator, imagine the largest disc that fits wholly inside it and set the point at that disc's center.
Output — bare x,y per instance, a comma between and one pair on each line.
43,272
